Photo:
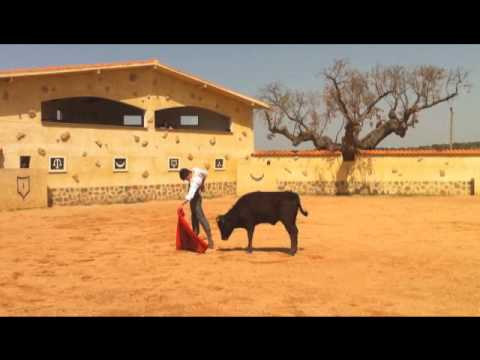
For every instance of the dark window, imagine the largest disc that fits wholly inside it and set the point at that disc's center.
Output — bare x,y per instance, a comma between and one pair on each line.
193,118
91,110
24,162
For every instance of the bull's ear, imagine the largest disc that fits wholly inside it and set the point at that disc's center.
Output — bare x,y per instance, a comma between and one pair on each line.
218,218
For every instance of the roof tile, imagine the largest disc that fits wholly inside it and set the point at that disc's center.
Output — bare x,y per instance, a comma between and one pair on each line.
383,152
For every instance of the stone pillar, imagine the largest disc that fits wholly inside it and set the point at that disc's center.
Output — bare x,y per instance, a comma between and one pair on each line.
149,122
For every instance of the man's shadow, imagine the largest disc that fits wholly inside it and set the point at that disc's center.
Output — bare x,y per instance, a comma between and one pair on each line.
261,249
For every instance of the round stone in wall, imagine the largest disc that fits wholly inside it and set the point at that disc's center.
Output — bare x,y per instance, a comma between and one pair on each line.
144,143
42,152
65,136
136,138
20,136
32,114
145,174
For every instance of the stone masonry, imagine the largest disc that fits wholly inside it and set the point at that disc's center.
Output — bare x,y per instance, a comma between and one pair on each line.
379,188
132,193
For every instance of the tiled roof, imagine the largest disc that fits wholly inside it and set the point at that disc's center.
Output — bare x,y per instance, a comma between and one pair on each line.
306,153
383,152
54,70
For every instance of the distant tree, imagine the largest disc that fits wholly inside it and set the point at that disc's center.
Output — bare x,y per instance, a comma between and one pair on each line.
385,100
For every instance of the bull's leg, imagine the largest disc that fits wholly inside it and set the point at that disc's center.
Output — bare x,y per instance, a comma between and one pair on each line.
293,232
250,238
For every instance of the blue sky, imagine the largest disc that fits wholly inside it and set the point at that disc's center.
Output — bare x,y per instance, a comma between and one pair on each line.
246,68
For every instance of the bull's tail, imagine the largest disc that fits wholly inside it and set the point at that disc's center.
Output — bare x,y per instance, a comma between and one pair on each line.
304,212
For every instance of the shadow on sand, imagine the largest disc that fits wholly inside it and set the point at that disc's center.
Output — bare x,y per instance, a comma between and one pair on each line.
264,249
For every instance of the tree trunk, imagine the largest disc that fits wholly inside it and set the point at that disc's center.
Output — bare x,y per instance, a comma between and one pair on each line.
349,142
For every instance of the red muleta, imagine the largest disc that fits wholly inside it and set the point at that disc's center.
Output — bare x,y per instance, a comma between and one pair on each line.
186,238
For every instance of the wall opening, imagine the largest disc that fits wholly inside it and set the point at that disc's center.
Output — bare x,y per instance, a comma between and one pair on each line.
92,110
191,118
24,162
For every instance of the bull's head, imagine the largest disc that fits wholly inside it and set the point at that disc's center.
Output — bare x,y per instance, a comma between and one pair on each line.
226,228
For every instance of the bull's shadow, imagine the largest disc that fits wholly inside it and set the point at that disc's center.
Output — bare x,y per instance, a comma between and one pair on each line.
261,249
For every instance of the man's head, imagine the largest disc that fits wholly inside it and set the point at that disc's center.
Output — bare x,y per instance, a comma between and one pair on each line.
185,174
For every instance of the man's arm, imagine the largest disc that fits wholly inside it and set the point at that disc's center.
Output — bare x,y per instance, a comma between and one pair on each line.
191,193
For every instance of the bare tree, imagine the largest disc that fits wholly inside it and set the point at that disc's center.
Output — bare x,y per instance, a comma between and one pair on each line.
383,101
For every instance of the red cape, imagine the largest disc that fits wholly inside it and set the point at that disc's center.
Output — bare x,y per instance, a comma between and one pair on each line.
186,238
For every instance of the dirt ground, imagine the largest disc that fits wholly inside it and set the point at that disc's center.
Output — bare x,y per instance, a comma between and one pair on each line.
357,256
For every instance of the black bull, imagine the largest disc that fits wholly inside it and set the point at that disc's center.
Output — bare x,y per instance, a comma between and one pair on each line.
263,207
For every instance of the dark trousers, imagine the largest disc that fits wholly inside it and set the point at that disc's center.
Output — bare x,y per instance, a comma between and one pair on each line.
198,217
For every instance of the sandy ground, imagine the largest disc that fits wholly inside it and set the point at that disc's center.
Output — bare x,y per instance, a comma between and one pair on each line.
358,256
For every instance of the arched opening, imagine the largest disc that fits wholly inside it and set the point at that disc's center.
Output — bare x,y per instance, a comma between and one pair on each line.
192,118
92,110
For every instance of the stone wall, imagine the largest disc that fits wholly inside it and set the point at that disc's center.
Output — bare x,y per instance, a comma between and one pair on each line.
384,173
379,188
132,193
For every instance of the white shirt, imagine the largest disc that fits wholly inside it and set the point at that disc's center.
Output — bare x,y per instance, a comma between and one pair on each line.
198,175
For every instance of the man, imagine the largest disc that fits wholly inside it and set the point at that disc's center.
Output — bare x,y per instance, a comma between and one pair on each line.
196,178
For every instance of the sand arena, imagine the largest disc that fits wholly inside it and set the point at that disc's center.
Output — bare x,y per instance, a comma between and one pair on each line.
357,256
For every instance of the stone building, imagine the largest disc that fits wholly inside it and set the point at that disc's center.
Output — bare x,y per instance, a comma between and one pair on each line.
117,132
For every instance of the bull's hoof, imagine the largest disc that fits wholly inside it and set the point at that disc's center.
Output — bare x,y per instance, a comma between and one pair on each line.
249,251
292,252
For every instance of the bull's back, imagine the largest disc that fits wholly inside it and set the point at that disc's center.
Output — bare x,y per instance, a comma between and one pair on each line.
266,206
